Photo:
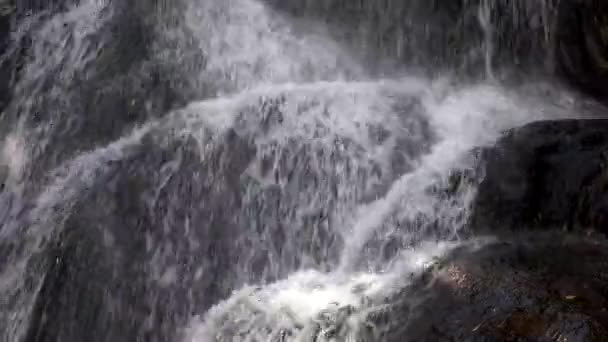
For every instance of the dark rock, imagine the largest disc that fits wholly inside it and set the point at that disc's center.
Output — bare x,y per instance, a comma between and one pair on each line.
545,175
568,38
151,244
504,291
431,34
582,45
5,66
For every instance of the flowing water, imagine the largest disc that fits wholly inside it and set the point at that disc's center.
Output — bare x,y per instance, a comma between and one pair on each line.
211,170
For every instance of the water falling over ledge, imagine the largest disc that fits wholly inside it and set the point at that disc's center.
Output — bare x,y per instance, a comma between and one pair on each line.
232,176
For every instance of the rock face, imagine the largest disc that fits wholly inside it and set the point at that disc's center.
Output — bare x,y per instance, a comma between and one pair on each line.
582,45
542,287
5,68
538,283
546,175
122,270
435,34
569,37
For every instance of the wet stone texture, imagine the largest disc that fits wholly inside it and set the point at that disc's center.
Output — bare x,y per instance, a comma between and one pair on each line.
546,175
133,263
542,287
543,194
5,66
122,268
582,45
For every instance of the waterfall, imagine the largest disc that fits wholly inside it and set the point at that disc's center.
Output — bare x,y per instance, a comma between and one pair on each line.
240,170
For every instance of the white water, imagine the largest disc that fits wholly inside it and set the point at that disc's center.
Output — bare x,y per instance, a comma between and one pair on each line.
326,103
253,48
295,308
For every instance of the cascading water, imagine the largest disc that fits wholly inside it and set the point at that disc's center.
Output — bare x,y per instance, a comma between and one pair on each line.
278,191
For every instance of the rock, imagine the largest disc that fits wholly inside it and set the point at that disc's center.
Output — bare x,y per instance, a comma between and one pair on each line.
568,38
548,174
5,67
581,49
573,289
431,34
504,292
524,324
151,244
83,105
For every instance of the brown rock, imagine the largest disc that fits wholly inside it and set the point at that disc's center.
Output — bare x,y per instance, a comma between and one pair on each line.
578,290
524,324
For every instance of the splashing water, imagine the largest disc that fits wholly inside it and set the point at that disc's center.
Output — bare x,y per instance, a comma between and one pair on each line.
334,173
333,305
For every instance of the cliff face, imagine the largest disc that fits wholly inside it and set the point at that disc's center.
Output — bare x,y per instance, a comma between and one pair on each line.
567,39
5,69
548,175
582,46
543,275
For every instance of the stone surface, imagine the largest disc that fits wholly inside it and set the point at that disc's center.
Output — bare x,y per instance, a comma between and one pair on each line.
133,262
5,66
581,47
546,175
124,267
505,291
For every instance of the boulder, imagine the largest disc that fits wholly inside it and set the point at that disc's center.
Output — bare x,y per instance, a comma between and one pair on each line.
532,287
547,174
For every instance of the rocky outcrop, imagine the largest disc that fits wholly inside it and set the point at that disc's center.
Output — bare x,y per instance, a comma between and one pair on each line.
125,80
546,277
568,38
542,287
546,175
5,67
581,47
435,34
133,261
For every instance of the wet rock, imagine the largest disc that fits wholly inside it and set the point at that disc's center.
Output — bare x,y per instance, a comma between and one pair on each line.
524,324
79,101
148,246
569,38
5,67
578,291
582,45
504,291
545,175
463,35
430,34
